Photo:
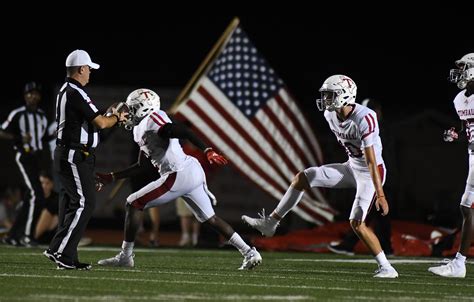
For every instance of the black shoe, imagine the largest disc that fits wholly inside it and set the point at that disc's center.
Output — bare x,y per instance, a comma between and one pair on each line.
50,255
10,241
154,243
62,262
27,241
83,266
340,249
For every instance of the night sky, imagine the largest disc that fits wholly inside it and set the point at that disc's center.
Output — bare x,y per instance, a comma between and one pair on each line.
400,56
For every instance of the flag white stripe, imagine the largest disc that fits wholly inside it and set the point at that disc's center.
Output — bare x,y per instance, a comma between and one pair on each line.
247,126
201,101
217,118
313,205
303,122
287,122
236,159
279,139
301,212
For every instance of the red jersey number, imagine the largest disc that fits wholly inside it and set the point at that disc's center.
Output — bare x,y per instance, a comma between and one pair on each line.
351,150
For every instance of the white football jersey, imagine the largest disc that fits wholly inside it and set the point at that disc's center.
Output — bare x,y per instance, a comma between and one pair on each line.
166,154
358,131
465,109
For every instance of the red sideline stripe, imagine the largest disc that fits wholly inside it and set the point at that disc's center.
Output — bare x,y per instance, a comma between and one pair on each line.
141,202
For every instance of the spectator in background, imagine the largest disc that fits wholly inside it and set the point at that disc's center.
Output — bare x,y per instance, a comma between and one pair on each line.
48,220
463,76
26,128
189,225
381,224
10,201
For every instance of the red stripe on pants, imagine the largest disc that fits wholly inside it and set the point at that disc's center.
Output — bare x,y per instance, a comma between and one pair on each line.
141,202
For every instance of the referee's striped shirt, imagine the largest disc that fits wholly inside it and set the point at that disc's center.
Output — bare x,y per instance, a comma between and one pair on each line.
74,114
22,121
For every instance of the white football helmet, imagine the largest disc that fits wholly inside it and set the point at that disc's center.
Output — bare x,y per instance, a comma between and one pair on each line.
141,102
336,92
465,71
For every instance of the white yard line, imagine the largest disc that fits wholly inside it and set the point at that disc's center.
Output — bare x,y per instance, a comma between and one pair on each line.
206,283
399,261
167,297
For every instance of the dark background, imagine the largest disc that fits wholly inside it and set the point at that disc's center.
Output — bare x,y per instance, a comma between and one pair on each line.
398,54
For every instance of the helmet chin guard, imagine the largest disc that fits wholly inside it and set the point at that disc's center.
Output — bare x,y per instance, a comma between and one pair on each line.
141,102
465,71
337,91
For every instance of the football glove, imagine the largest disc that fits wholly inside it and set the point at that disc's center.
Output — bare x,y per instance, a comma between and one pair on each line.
102,179
215,158
450,135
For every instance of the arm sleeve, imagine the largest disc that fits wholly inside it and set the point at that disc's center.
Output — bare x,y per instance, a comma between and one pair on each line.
84,106
180,131
368,130
10,121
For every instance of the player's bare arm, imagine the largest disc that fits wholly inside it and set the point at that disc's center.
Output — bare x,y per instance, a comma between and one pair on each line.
103,122
180,131
102,179
381,201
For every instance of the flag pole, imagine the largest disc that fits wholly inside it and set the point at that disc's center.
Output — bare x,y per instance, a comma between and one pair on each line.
205,64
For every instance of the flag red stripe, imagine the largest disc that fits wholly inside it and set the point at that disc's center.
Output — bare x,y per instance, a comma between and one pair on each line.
228,140
304,113
293,119
286,134
217,106
275,146
312,213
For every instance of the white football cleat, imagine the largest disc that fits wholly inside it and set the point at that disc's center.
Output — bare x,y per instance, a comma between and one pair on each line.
119,260
386,272
265,224
452,269
251,259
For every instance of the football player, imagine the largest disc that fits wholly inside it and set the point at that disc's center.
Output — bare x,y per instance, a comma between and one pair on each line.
356,128
463,76
181,176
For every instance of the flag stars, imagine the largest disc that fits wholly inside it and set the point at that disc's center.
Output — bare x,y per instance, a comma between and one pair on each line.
243,75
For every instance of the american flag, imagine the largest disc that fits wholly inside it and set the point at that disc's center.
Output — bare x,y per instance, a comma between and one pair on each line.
244,109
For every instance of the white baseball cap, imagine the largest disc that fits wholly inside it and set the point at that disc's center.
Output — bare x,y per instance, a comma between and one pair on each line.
80,57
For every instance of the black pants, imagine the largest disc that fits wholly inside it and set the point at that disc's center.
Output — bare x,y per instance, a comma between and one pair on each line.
33,201
76,199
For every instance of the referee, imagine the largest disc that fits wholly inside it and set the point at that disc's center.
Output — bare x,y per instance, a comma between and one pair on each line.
77,137
26,127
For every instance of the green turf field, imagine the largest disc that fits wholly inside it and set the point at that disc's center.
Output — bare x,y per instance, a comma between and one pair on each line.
212,275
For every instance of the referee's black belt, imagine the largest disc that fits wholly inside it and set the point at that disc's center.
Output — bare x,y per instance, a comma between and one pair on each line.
76,146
